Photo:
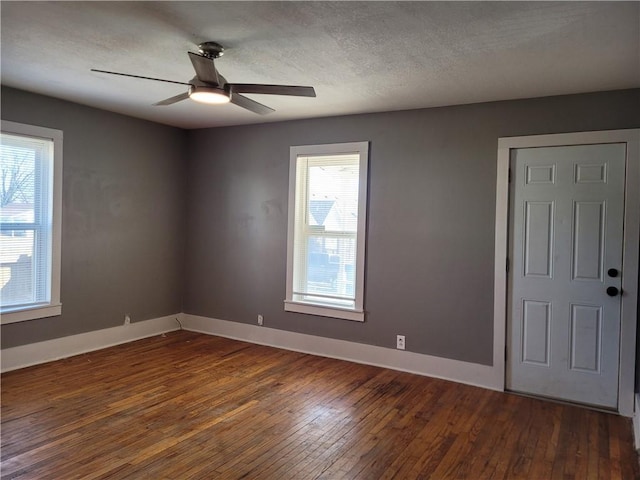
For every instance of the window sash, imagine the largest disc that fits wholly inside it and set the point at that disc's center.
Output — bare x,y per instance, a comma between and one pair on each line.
301,266
41,278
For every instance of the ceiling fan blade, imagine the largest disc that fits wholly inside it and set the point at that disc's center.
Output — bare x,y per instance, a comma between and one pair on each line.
205,68
294,90
251,105
169,101
139,76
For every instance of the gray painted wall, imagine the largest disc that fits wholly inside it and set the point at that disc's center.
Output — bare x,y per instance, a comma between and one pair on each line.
123,223
429,270
127,184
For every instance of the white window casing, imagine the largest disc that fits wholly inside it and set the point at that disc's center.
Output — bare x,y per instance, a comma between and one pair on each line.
30,222
327,229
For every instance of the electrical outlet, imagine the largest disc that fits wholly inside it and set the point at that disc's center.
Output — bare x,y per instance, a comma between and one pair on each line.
260,319
127,319
400,342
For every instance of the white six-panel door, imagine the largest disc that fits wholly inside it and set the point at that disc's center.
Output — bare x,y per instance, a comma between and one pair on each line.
565,249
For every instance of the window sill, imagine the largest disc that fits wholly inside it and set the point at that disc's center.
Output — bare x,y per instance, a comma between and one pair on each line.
30,313
324,311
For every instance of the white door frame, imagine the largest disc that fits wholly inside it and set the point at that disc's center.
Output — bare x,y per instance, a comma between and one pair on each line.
631,241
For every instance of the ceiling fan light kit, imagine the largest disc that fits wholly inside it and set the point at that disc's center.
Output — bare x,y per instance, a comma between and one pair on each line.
208,95
209,87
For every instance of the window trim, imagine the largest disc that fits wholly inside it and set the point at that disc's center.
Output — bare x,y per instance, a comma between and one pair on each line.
356,313
54,306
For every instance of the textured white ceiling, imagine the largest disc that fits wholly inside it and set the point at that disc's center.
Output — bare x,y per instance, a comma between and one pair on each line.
359,56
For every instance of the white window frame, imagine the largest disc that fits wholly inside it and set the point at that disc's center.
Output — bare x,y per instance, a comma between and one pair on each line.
53,307
317,308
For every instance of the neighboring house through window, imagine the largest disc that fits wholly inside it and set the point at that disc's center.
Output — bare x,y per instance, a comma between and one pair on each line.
30,221
327,226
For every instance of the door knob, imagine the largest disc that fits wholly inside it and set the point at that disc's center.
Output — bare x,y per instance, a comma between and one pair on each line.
612,272
612,291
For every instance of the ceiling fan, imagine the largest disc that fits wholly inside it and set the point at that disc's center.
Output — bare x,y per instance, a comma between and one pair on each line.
208,86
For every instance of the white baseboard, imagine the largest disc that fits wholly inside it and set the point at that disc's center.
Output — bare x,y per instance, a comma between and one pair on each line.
50,350
636,422
427,365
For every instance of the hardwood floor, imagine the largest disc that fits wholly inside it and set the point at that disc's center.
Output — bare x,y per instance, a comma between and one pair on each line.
188,405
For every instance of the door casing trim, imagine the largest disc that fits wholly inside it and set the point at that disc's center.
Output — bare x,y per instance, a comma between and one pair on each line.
630,252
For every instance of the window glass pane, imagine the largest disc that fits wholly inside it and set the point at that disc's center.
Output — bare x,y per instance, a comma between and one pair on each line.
333,197
17,180
17,248
330,266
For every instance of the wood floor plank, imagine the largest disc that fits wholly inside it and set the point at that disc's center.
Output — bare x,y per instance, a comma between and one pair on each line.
191,406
